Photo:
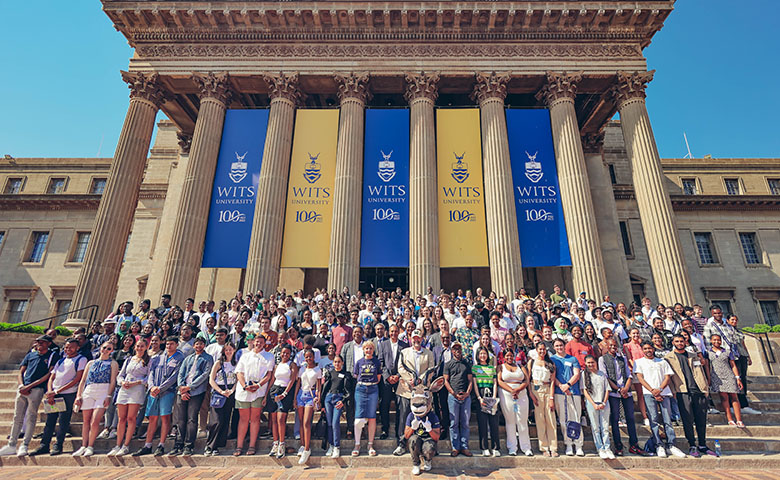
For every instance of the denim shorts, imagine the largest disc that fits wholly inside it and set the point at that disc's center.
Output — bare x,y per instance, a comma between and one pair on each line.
305,399
162,405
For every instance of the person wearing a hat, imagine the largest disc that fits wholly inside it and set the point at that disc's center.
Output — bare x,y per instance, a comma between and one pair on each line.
414,361
34,372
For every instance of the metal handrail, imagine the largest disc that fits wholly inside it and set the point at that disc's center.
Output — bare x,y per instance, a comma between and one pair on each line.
760,337
93,309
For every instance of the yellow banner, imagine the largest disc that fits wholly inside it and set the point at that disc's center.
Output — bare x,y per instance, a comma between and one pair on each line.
462,227
310,190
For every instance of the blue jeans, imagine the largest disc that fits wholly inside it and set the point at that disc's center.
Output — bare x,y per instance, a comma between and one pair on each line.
599,422
460,413
333,415
655,416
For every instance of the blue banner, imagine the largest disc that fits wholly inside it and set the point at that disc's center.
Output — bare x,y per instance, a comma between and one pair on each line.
543,240
384,240
232,207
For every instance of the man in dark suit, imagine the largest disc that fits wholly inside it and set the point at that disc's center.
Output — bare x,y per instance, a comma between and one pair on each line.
388,351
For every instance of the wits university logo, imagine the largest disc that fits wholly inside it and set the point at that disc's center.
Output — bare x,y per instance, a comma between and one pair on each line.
460,194
235,194
536,194
312,172
386,192
460,170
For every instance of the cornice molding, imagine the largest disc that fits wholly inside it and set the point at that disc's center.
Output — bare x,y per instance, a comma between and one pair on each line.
49,202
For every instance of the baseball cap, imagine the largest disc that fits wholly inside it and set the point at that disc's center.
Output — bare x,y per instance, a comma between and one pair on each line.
417,333
44,338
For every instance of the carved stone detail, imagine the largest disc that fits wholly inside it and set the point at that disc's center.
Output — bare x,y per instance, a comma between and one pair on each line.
631,86
185,142
145,85
490,85
213,85
353,85
559,86
385,51
422,84
593,142
284,86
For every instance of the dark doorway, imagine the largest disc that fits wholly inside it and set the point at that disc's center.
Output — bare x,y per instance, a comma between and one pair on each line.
385,278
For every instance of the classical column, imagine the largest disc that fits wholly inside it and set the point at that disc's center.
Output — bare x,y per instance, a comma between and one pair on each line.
506,272
103,260
616,266
344,261
670,273
265,246
580,219
424,266
182,267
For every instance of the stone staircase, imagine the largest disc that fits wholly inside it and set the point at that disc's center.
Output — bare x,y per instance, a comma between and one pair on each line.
757,446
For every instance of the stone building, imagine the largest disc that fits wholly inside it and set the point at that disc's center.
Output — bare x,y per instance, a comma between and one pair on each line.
582,61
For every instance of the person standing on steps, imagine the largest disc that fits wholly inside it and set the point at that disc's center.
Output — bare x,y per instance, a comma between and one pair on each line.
94,396
458,381
132,394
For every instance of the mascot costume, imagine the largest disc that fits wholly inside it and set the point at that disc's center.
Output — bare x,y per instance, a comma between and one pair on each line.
422,425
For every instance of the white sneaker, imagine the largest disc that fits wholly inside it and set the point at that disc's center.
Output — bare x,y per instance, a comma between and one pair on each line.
113,451
529,453
416,470
7,450
330,451
677,452
300,451
647,422
80,451
103,435
123,451
513,453
580,453
336,452
274,447
610,455
88,452
486,453
661,452
22,452
569,451
112,434
426,465
713,411
304,457
496,453
603,454
751,411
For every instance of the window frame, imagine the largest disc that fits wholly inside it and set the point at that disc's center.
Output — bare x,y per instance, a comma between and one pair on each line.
740,188
28,250
52,178
713,248
759,249
8,179
625,222
769,181
92,181
18,293
74,246
696,185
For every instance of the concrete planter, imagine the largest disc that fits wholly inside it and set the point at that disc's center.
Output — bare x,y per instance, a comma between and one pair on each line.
15,346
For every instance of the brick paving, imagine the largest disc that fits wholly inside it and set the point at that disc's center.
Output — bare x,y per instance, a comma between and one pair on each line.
205,473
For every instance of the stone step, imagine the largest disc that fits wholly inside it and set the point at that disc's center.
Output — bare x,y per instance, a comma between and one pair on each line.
441,464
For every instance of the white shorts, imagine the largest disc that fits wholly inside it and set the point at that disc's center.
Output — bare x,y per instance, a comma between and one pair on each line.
133,395
94,395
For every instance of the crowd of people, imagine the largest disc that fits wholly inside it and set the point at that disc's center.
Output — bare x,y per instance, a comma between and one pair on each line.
238,371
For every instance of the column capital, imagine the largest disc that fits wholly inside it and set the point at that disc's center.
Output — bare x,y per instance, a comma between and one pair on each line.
559,86
353,85
422,85
146,86
185,142
630,85
593,142
214,85
284,86
490,85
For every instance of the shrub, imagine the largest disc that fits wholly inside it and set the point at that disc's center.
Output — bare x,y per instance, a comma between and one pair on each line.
21,328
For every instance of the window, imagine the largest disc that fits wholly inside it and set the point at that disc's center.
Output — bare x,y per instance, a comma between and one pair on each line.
626,239
63,307
774,186
769,312
98,186
725,306
705,248
13,186
689,186
56,185
732,186
750,248
16,309
80,249
37,246
612,175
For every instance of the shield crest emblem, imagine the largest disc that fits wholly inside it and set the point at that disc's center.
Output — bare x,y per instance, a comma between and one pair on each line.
312,170
460,169
533,169
238,168
386,167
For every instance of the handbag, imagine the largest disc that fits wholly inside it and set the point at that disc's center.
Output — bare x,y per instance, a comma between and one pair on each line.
573,429
217,399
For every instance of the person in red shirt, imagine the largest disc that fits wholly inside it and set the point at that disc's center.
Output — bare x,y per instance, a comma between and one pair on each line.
342,333
578,348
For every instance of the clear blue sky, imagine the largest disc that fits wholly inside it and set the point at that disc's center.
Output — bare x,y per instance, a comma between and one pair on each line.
717,75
